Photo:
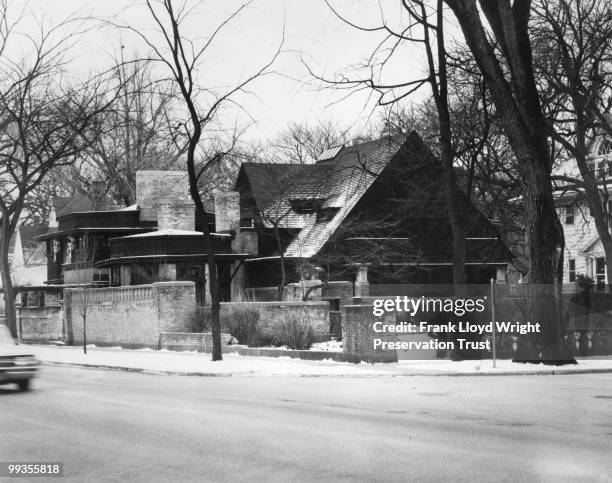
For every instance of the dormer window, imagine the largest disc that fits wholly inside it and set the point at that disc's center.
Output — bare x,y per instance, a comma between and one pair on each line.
329,153
306,206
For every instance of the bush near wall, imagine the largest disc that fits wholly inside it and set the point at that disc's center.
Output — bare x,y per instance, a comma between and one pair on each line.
295,332
259,324
242,323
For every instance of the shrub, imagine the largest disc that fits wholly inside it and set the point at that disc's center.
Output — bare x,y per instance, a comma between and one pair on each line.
242,323
198,320
295,332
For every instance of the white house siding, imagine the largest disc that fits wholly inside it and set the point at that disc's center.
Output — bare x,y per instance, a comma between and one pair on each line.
581,239
578,236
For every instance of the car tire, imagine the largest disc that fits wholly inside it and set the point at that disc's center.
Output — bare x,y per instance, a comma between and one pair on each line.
24,385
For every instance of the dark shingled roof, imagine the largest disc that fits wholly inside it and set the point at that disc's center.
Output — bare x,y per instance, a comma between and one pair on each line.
339,184
79,203
269,181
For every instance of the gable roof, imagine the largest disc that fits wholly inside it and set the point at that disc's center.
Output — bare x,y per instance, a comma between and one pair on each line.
33,252
268,181
337,183
28,235
341,182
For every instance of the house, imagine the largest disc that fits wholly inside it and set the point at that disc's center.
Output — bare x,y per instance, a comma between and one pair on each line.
584,253
157,239
27,258
78,235
371,213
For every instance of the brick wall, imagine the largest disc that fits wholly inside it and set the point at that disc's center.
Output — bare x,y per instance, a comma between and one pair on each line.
358,334
340,290
41,324
184,341
175,302
130,316
261,294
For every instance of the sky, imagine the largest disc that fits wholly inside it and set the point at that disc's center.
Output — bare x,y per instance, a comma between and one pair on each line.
313,35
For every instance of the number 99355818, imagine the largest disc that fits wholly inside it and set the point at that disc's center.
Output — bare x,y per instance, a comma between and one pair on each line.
31,468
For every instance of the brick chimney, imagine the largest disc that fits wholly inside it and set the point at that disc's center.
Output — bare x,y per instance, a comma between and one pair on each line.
175,214
97,195
227,215
152,186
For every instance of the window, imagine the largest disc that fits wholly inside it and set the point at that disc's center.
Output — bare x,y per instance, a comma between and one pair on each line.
600,273
247,223
605,147
601,170
569,214
305,206
572,270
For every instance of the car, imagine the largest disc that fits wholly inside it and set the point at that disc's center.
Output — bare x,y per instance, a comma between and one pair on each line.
16,365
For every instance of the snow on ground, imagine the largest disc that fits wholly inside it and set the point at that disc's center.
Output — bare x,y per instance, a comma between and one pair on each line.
234,364
328,345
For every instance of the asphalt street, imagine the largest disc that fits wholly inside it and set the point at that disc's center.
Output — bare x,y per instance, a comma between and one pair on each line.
116,426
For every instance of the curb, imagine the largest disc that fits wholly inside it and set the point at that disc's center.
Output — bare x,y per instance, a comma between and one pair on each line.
550,372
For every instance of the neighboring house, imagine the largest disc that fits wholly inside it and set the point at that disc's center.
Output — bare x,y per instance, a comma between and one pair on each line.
154,240
27,257
584,253
372,212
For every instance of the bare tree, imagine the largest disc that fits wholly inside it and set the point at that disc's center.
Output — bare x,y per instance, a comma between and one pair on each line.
183,58
44,122
504,55
573,42
302,144
272,220
425,28
138,133
82,255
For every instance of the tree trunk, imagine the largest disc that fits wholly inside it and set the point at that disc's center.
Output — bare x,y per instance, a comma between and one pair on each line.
454,208
516,99
545,241
7,284
283,281
215,306
8,291
85,329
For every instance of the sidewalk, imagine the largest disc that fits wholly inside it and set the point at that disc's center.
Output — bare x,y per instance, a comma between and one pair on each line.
192,363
